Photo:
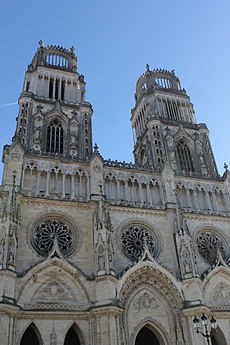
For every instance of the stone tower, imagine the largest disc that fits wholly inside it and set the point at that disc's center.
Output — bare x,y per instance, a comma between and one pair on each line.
94,251
165,129
52,104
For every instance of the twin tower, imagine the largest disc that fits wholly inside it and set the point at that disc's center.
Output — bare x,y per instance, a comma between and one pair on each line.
55,119
95,251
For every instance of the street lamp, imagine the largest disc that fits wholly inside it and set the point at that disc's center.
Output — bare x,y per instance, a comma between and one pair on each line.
203,322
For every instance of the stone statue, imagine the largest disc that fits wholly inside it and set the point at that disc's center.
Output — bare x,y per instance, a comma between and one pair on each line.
73,138
37,132
11,253
101,259
186,262
2,250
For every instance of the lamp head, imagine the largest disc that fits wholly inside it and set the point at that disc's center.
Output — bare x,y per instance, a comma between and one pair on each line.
196,322
204,319
213,323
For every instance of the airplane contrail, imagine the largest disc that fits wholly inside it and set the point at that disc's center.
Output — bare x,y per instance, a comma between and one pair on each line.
7,104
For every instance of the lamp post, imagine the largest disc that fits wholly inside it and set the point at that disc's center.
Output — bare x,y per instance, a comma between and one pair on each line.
201,326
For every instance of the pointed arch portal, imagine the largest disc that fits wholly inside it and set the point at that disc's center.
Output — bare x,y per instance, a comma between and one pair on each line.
146,337
71,337
31,336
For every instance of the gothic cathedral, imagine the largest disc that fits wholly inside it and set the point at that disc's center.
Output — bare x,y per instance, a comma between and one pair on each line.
101,252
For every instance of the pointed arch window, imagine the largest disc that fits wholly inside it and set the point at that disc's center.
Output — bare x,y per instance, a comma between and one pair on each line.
55,132
184,156
31,336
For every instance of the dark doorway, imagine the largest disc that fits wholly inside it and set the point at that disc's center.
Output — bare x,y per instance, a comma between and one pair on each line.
214,340
146,337
217,337
71,337
30,336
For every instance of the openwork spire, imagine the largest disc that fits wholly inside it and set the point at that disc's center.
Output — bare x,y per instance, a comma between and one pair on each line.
54,56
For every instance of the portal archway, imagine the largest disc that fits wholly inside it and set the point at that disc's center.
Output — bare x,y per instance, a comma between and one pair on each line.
71,337
146,337
31,336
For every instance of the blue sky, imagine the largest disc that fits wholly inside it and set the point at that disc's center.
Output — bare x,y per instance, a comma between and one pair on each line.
114,40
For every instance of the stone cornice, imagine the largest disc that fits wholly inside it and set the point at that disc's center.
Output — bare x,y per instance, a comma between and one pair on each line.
136,210
95,312
8,273
209,217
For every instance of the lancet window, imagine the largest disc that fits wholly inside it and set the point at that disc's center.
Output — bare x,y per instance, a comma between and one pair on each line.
57,88
184,157
54,143
158,145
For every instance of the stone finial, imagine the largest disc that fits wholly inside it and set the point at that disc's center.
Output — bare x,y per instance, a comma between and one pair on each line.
81,78
147,67
41,43
225,166
95,147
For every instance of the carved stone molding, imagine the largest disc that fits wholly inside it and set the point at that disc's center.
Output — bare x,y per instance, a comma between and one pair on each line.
154,279
55,306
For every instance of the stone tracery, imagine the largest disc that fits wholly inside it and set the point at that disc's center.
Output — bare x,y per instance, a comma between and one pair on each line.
208,245
133,238
133,189
55,181
47,231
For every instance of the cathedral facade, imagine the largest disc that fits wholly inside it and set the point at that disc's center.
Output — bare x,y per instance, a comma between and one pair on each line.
101,252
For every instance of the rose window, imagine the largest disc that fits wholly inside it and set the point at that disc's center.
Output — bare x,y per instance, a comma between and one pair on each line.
208,244
45,234
133,241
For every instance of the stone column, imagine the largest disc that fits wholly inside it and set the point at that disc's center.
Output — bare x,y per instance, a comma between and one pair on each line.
47,183
140,192
188,198
149,196
63,185
209,204
196,200
72,187
38,183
